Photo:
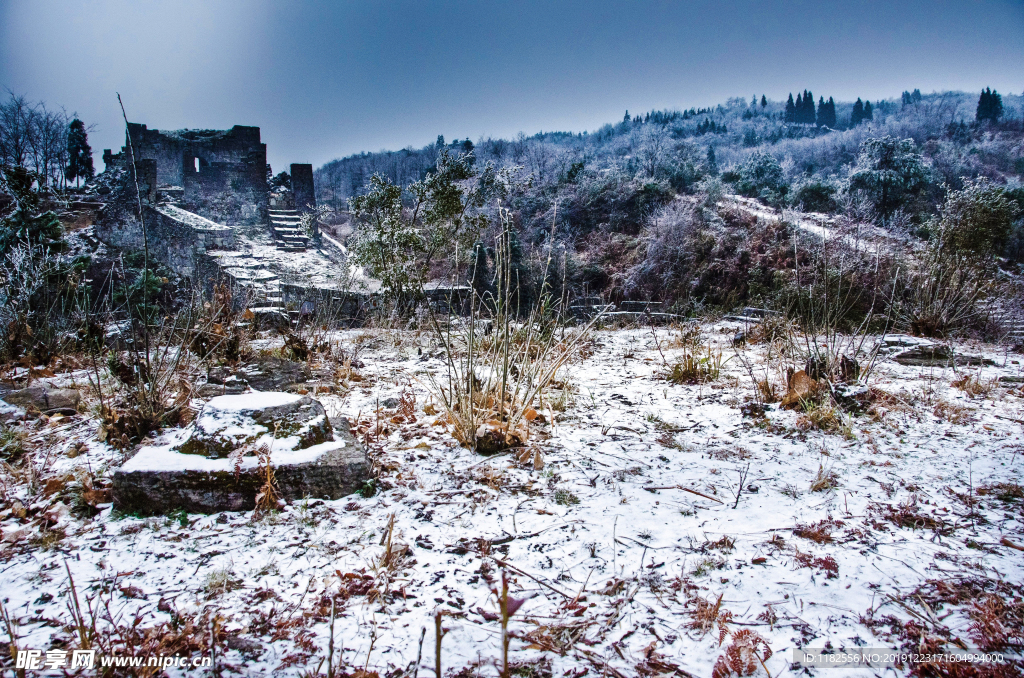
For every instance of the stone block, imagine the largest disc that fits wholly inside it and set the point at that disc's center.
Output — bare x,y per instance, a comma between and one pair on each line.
44,398
159,479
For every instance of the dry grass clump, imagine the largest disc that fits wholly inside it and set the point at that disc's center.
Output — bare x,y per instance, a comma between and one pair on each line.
825,416
696,367
708,565
773,329
221,581
907,514
726,544
883,403
1010,493
973,385
826,564
953,413
825,479
689,337
497,371
819,532
769,391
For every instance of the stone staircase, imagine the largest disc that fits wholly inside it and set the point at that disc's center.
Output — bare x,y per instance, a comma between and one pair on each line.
1011,324
287,232
250,273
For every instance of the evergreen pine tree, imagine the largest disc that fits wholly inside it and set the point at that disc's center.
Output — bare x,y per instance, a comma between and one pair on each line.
990,106
916,96
79,153
822,111
858,113
983,106
997,106
790,110
868,114
625,118
712,162
906,98
753,101
808,107
830,117
764,101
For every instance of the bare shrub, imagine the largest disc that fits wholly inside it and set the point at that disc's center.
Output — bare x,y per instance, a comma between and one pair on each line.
492,382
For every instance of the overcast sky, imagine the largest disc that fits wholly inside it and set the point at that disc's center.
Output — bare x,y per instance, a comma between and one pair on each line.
327,79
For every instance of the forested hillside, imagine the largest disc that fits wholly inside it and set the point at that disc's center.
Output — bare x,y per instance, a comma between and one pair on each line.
891,162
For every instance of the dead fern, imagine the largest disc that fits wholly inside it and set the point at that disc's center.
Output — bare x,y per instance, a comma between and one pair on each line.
268,499
819,532
826,564
745,653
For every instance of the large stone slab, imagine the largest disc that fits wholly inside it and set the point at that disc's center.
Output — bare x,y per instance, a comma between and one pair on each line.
44,398
937,355
160,479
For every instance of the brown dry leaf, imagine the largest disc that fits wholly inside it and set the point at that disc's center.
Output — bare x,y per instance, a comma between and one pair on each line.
538,461
53,486
248,315
95,497
530,414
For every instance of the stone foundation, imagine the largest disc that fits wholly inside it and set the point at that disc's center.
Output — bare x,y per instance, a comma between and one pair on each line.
158,480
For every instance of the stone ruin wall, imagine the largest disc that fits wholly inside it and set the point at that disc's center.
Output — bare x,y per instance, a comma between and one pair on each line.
303,195
223,174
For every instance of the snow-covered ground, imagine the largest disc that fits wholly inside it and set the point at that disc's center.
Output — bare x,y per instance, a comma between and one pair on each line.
621,579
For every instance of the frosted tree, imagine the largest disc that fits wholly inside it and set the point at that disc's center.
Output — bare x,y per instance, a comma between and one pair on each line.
888,172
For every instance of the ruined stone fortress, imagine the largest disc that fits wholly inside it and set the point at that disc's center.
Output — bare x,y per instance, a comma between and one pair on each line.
210,215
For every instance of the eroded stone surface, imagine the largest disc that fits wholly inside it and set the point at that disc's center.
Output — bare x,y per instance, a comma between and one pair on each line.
283,421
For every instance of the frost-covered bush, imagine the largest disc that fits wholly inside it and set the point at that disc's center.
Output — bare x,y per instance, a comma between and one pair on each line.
947,289
816,195
697,254
761,177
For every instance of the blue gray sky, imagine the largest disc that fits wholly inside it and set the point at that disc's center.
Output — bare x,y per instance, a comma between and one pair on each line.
327,79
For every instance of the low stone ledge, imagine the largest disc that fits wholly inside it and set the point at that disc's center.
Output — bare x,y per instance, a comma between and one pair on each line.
159,480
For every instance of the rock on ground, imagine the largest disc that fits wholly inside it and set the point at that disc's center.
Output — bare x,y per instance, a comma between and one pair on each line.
45,399
284,421
160,479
